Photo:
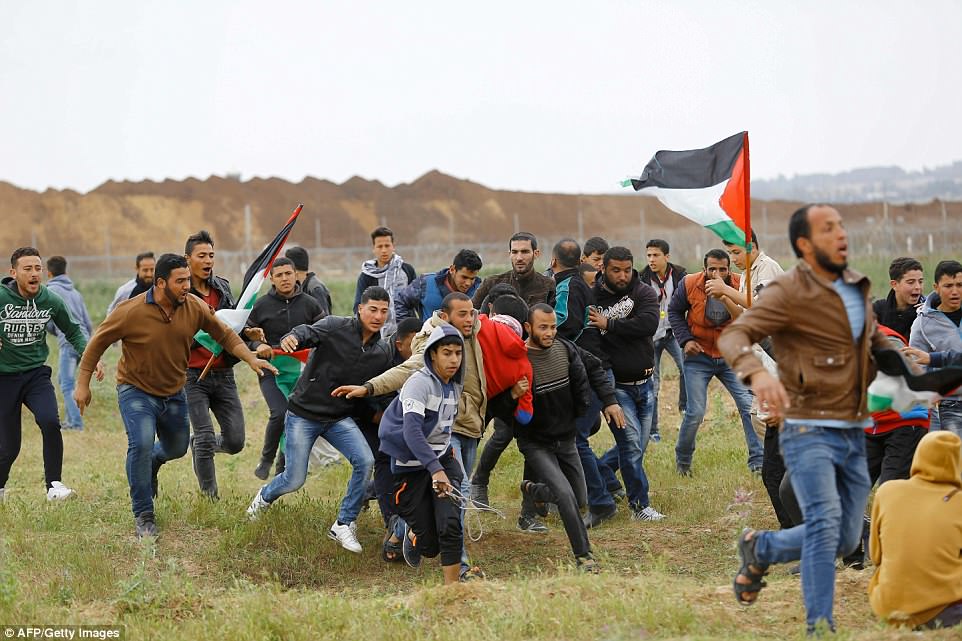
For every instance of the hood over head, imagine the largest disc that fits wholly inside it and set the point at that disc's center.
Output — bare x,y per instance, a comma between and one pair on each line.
937,458
439,332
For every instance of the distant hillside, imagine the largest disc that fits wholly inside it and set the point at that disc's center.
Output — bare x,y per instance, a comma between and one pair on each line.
892,184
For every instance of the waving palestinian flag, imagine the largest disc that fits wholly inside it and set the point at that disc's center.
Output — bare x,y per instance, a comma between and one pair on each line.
708,186
256,274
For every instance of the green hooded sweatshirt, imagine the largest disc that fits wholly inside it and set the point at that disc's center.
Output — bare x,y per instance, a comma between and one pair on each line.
23,323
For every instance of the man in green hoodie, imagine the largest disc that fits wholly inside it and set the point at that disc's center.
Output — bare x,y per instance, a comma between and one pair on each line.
26,306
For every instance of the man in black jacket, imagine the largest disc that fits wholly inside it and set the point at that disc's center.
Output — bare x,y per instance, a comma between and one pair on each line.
663,276
217,393
897,311
627,316
310,283
564,376
346,350
283,308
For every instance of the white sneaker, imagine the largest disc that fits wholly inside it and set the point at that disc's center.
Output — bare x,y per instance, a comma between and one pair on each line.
346,535
58,491
647,514
257,506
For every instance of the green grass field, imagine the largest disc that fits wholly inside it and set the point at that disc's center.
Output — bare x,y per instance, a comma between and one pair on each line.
214,575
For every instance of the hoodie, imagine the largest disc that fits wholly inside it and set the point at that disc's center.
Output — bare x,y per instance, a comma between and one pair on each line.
415,430
633,317
505,363
916,536
933,331
23,327
63,287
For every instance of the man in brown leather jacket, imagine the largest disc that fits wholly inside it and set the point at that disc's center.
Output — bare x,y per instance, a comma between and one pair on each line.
820,319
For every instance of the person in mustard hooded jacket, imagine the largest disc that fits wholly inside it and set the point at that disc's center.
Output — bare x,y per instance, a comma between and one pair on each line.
916,539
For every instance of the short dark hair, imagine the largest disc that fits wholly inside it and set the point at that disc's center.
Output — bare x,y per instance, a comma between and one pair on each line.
448,300
381,232
20,253
658,243
544,308
142,256
299,258
168,263
467,259
595,245
567,252
584,268
947,268
375,292
447,339
618,253
406,327
901,265
200,238
754,242
57,265
799,227
717,254
511,305
524,235
281,262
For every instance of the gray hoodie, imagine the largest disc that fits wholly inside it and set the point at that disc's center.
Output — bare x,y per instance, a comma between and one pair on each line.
63,287
933,331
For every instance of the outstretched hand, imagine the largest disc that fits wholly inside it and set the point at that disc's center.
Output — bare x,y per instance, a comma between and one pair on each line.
350,391
289,343
259,365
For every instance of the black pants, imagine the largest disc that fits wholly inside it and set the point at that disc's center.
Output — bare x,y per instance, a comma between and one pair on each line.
493,449
773,470
557,465
277,406
436,521
383,478
33,389
217,393
889,455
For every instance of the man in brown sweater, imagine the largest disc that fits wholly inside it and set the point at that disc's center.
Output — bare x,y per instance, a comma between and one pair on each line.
156,329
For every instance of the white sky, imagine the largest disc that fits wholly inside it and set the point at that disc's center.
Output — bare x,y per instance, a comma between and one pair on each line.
540,96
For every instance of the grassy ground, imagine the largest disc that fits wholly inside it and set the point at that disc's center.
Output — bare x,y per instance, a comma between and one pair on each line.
214,575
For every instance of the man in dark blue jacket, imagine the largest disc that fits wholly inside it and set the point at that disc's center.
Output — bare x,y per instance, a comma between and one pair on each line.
346,349
423,297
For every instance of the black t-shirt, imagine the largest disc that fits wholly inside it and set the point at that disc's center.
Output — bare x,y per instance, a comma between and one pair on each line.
956,316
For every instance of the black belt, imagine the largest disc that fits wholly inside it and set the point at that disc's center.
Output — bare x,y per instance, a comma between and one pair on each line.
648,372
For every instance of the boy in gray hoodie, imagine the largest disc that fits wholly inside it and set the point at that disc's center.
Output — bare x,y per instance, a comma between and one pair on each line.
60,284
415,432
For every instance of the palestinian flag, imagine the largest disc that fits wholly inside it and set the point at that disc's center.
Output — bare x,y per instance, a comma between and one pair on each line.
289,367
708,186
256,274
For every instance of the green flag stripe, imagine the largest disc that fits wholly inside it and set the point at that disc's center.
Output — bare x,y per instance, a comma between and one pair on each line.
728,231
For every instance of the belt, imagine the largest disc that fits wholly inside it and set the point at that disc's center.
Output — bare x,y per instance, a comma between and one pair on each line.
648,373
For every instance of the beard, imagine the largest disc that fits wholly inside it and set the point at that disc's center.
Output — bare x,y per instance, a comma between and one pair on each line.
826,263
173,300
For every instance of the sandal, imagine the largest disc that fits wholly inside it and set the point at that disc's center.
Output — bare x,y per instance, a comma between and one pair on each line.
391,552
751,569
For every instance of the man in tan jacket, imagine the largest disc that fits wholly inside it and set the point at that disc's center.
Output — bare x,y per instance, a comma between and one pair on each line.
821,323
916,539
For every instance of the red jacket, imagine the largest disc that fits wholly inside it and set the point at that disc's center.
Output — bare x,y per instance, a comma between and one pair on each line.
505,363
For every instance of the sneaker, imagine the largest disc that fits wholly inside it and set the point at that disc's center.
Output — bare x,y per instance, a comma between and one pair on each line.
479,494
646,514
346,536
58,491
257,506
683,470
588,565
263,469
594,519
655,437
409,548
531,524
473,573
529,487
145,525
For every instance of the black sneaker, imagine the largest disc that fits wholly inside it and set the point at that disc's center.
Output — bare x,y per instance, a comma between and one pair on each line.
145,525
594,518
263,469
479,494
531,524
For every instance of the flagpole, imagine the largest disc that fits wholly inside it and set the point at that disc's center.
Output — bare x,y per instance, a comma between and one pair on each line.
746,184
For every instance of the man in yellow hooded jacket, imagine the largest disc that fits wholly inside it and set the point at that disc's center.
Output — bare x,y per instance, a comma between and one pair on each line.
916,539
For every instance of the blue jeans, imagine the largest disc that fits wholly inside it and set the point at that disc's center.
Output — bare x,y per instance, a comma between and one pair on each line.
465,451
950,416
145,417
67,378
830,478
599,499
628,454
699,370
670,344
300,434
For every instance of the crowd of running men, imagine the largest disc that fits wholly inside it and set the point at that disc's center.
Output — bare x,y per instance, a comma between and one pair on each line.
407,385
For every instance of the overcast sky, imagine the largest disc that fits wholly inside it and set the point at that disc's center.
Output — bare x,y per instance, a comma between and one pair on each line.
539,96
